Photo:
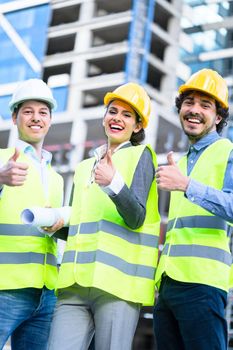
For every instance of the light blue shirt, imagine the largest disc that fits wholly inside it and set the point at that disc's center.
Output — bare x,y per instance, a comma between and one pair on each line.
217,202
40,164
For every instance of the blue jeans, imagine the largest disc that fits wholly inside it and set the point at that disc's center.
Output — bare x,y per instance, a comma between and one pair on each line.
190,316
26,315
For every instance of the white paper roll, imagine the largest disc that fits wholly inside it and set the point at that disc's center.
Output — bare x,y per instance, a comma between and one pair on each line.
40,217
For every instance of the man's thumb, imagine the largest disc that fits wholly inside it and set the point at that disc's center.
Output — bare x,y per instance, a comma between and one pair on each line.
170,159
15,155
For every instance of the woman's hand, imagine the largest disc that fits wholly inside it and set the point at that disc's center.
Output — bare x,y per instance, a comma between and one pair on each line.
105,170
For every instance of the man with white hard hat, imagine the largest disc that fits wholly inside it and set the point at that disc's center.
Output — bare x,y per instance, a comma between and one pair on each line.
28,266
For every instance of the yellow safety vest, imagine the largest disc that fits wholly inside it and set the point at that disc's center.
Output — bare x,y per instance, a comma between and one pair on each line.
102,251
196,248
27,256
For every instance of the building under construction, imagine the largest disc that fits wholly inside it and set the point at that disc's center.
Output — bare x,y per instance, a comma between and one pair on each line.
85,48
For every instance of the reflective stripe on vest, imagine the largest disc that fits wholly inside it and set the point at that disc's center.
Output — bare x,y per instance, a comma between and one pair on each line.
115,230
109,259
19,230
199,251
198,221
27,258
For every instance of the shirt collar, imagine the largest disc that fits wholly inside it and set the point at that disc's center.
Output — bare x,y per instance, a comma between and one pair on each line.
26,148
101,151
205,141
122,145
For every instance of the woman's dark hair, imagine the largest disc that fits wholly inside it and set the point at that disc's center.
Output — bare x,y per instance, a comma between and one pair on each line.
223,112
137,137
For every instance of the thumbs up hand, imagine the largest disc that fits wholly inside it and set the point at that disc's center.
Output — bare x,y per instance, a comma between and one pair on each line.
15,155
170,178
105,170
170,159
13,173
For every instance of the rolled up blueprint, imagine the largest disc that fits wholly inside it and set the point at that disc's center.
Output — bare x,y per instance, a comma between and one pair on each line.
41,217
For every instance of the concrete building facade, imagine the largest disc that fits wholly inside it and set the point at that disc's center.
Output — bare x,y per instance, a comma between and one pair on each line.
91,47
85,48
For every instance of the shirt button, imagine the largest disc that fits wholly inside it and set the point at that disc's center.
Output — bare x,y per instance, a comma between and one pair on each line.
191,161
192,199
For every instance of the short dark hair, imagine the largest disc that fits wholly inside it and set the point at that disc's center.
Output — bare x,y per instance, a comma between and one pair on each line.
223,112
17,108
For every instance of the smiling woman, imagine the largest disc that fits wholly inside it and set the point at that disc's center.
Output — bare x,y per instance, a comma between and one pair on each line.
120,122
109,264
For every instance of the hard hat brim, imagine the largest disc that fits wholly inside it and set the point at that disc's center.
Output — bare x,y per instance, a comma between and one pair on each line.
184,88
50,102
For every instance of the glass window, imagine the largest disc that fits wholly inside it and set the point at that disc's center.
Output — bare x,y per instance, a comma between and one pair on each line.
60,94
4,109
31,25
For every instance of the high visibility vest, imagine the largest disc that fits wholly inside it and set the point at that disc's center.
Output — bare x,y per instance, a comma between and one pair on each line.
196,248
27,256
102,251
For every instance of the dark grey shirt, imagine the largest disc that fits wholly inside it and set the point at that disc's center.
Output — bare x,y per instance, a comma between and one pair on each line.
131,202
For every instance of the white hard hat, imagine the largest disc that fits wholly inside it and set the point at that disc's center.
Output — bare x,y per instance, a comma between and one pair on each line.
32,89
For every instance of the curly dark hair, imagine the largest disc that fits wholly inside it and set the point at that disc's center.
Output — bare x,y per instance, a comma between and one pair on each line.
223,112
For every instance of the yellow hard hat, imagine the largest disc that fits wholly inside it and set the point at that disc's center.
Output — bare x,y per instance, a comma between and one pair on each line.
135,96
209,82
